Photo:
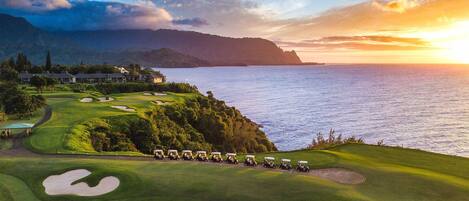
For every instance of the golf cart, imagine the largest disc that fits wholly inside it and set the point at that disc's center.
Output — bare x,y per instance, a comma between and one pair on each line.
303,166
269,162
187,155
173,154
216,157
250,160
158,154
285,164
231,158
201,156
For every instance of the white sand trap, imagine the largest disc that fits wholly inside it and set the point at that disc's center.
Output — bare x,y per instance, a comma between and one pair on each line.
339,175
147,94
86,100
161,102
159,94
124,108
62,184
103,99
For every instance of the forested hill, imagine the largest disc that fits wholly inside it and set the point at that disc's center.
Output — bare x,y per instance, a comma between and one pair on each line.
120,46
215,49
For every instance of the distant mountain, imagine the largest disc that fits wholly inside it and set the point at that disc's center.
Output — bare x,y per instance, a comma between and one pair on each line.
164,57
215,49
166,48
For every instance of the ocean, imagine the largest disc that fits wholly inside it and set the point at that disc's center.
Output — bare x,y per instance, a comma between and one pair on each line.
416,106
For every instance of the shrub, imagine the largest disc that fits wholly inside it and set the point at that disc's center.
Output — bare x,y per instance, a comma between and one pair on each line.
320,142
110,88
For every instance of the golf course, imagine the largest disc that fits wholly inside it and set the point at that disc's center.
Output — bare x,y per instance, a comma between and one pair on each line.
62,144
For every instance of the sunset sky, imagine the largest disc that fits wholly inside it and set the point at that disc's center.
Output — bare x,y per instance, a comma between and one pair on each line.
332,31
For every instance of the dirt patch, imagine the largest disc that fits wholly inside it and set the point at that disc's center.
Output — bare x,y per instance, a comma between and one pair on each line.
62,184
339,175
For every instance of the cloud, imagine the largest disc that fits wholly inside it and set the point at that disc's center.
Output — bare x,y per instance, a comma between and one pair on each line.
36,5
375,38
195,22
398,5
365,43
368,18
94,15
235,18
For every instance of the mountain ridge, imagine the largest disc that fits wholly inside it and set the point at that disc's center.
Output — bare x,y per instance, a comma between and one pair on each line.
110,46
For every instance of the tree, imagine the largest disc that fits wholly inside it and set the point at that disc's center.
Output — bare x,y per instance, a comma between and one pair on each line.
51,82
39,82
18,102
22,63
8,74
48,65
36,70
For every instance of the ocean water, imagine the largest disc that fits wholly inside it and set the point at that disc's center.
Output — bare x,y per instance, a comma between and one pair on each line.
416,106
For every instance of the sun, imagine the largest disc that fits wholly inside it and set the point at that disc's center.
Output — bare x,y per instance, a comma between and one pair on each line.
452,43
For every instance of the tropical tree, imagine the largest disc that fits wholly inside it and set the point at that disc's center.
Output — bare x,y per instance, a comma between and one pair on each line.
8,74
48,65
39,82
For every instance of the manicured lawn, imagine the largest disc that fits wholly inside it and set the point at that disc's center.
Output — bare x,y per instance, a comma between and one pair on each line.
391,174
5,144
68,113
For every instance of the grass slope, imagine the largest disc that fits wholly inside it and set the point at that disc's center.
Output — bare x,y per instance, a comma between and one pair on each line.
392,174
55,136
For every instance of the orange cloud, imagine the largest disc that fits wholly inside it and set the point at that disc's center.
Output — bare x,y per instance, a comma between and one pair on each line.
365,43
368,18
398,5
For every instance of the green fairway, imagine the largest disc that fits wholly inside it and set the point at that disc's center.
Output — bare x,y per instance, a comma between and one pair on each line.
391,174
57,135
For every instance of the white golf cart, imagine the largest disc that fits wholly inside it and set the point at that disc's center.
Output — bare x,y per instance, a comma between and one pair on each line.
303,166
231,158
216,157
158,154
201,156
173,154
285,164
269,162
250,160
187,155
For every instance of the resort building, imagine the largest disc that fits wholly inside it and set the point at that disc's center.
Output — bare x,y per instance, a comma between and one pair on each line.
67,78
100,78
63,78
93,78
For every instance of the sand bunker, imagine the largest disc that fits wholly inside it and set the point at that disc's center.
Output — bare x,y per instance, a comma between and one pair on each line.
161,102
339,175
154,94
103,99
86,100
124,108
62,184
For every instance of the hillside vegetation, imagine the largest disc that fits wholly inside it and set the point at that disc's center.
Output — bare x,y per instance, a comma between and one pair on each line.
182,120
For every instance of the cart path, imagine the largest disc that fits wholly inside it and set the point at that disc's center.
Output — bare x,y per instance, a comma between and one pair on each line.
339,175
